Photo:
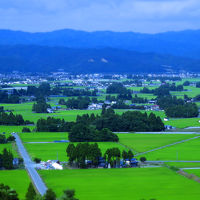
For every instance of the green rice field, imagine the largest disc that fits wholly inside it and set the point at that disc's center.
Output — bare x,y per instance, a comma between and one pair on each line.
43,136
145,142
117,184
17,180
188,151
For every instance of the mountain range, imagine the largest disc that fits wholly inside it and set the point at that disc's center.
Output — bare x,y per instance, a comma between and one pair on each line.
103,51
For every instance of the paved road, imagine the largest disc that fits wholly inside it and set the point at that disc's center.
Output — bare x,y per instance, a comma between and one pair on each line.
179,142
30,166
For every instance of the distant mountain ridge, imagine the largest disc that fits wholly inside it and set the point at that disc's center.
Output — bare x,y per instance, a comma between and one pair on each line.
183,43
34,58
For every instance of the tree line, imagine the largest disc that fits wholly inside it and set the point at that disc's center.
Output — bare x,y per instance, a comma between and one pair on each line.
163,89
128,121
40,106
177,108
7,193
11,119
6,159
85,155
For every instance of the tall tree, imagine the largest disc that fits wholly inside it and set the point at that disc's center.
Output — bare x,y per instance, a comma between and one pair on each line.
50,195
30,195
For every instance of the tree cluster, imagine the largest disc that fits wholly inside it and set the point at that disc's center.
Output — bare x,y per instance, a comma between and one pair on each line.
5,98
137,99
4,140
117,88
78,103
49,195
177,108
53,125
83,133
6,159
81,152
40,106
128,121
6,193
11,119
163,90
71,92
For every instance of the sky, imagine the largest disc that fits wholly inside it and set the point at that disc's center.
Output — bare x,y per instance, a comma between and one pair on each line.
146,16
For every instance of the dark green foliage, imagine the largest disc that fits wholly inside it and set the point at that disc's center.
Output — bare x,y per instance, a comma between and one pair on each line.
1,109
130,155
78,103
163,90
37,160
117,88
11,119
143,159
112,156
5,98
68,195
71,92
83,133
53,125
31,192
6,193
50,195
137,99
40,106
26,130
6,159
124,155
3,139
186,83
177,108
182,111
11,138
198,84
82,152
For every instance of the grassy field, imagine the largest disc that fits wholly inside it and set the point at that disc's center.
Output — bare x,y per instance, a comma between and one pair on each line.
53,151
193,171
185,151
117,184
10,129
184,123
43,136
145,142
16,179
183,165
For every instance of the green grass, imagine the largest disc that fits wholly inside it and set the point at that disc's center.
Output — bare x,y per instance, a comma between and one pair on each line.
188,151
145,142
43,136
16,179
117,184
193,171
10,129
184,123
53,150
183,164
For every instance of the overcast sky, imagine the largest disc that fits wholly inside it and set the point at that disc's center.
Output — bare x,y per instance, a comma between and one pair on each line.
149,16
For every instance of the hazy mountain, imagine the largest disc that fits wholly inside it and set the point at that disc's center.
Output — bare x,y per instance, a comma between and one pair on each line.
184,43
44,59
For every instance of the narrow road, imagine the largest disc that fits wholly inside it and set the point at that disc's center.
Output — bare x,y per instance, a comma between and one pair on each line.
169,145
29,165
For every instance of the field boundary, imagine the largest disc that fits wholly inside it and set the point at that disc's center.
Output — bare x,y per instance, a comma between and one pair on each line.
169,145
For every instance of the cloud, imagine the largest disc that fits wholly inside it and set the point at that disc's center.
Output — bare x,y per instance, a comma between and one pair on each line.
127,15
